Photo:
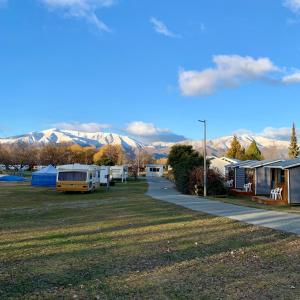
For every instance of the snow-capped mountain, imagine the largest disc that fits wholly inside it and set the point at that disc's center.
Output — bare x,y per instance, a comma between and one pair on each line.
220,145
96,139
215,147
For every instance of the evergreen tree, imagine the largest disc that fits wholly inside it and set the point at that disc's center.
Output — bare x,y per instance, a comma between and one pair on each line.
236,150
253,152
293,148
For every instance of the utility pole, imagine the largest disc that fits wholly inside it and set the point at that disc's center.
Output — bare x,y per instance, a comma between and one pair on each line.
204,157
138,162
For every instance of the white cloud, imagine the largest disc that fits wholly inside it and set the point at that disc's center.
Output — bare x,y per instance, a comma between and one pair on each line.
82,9
87,127
282,133
161,28
292,78
293,5
151,133
144,129
229,71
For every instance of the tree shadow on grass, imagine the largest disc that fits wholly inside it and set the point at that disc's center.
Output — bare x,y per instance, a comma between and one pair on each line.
118,260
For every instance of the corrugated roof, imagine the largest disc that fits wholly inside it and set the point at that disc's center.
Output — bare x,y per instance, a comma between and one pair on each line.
258,164
285,164
240,164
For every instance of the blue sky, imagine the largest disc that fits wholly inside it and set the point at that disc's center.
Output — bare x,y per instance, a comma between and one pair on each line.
150,68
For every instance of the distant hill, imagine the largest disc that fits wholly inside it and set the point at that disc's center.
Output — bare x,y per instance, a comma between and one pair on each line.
271,148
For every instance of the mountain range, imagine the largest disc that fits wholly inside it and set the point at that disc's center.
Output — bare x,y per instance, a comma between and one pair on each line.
271,147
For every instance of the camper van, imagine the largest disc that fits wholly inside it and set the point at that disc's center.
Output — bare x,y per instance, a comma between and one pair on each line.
104,175
77,178
119,173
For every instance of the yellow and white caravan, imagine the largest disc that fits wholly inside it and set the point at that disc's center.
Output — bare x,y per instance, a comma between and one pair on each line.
77,178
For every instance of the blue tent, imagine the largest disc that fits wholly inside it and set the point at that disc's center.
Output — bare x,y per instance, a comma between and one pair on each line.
44,177
12,178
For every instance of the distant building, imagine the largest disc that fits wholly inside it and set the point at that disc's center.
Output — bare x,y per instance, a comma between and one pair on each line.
220,163
154,170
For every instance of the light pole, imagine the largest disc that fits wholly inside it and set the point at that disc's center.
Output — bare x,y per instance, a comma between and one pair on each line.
204,157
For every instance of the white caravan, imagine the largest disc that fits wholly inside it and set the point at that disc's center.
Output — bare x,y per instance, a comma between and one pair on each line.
119,173
104,175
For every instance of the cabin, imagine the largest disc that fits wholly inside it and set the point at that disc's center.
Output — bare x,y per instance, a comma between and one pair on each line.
258,175
154,170
220,163
238,174
77,178
286,175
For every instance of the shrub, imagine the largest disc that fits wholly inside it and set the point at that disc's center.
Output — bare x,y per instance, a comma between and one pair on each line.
183,159
215,181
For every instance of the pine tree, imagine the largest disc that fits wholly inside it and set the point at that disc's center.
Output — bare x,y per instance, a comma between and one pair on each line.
293,148
236,150
253,152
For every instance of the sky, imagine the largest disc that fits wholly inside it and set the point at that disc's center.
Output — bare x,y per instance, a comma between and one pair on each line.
150,68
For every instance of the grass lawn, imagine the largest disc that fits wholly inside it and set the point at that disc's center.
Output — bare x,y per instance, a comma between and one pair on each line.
246,201
124,245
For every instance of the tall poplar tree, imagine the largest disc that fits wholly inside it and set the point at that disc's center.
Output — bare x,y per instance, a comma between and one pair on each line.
236,150
293,148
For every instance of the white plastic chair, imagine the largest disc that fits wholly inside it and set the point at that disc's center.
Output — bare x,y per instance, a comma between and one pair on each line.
278,194
247,187
250,187
273,194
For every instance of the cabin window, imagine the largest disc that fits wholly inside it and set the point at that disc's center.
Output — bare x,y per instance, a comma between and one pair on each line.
72,176
154,169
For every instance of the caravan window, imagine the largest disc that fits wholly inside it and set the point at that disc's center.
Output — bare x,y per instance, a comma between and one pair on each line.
72,176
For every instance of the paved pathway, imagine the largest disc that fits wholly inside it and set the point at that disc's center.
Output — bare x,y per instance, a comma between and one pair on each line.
162,189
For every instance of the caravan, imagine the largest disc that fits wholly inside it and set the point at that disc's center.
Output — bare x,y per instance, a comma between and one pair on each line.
119,173
104,175
77,178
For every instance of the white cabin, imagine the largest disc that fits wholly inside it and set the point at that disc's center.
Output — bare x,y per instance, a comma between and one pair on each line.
220,163
154,170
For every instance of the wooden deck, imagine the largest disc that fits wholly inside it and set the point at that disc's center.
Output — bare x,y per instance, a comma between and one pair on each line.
237,192
268,201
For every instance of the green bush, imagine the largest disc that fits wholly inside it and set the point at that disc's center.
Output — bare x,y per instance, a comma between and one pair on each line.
183,159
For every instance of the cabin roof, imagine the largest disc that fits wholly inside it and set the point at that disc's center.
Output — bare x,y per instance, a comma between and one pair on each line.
259,164
154,166
285,164
240,164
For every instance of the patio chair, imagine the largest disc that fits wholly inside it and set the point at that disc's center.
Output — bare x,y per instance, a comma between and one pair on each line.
250,187
278,194
247,187
229,183
274,193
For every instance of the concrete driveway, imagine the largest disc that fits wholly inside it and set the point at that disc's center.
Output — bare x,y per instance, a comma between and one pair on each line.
162,189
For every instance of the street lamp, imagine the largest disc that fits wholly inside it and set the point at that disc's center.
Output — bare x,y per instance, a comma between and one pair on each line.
204,157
